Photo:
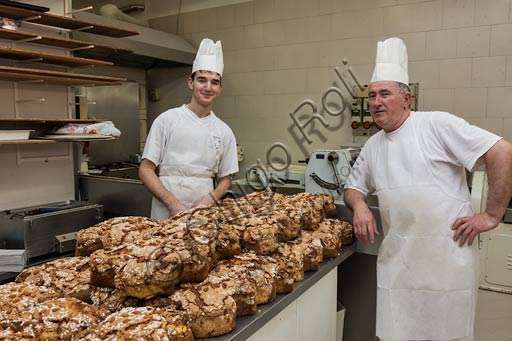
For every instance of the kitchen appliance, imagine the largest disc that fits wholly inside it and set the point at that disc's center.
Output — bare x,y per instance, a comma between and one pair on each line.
495,246
327,171
46,229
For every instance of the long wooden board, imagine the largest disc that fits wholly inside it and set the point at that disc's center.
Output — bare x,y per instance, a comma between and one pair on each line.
63,22
49,58
57,42
47,120
47,73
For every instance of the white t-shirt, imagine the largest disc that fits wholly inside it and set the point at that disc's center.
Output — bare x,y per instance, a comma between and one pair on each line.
189,133
449,145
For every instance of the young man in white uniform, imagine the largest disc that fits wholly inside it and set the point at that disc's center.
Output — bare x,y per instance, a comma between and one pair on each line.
190,145
426,272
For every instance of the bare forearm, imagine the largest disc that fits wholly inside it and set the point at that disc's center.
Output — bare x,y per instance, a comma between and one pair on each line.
155,186
354,199
223,185
365,226
498,162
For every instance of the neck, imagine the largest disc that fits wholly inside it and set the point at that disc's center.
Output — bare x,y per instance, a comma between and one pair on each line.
405,115
198,109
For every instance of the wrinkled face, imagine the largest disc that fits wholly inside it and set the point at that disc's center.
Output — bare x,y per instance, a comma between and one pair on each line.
388,106
205,86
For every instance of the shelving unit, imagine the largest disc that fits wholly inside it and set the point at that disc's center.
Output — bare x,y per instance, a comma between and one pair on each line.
70,44
55,77
40,125
63,22
49,58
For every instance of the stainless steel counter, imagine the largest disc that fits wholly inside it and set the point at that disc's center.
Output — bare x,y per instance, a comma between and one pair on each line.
248,325
119,196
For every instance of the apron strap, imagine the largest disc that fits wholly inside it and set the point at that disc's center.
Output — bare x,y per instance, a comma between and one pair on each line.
186,171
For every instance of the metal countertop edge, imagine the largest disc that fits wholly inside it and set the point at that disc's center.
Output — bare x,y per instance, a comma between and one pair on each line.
248,325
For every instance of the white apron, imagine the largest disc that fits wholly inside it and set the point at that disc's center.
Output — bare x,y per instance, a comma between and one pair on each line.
426,283
188,182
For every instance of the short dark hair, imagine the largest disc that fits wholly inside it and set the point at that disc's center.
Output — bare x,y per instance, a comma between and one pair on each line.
193,75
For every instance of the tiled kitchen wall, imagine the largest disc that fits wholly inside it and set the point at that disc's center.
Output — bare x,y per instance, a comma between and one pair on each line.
280,52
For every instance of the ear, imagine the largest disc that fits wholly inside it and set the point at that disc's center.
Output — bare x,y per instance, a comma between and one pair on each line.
407,100
190,83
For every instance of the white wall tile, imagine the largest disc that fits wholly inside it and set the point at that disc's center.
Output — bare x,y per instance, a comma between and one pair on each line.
263,11
437,100
284,81
253,36
244,13
246,83
501,40
455,73
424,16
499,102
224,106
441,44
488,71
491,12
473,42
470,102
507,129
290,9
424,72
353,24
274,33
258,105
225,16
508,79
494,125
458,13
416,45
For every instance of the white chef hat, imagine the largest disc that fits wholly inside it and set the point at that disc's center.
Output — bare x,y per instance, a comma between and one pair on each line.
391,62
209,57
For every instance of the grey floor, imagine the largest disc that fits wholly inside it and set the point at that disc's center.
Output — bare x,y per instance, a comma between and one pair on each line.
493,316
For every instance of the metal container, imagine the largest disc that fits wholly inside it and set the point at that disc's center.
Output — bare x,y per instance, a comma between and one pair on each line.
45,229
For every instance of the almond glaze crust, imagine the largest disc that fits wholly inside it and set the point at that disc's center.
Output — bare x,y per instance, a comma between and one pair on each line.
187,276
142,324
69,276
141,270
212,311
114,232
54,320
18,297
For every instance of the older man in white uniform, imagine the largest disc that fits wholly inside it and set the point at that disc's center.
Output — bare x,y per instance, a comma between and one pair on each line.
426,272
190,145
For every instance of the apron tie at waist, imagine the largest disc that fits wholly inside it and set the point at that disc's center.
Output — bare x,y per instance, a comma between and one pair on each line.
186,171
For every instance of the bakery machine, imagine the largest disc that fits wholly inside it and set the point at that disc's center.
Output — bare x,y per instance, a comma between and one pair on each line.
495,246
44,231
327,171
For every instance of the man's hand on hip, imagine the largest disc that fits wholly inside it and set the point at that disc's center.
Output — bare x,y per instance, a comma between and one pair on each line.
467,228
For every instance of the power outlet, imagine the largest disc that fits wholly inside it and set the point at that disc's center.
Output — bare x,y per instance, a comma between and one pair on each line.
154,94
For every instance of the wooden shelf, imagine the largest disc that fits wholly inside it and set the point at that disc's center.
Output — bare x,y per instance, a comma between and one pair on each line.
55,77
63,22
41,127
56,42
49,58
47,120
28,142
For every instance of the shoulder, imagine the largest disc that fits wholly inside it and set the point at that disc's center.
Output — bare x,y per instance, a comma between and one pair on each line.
435,118
222,125
170,115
